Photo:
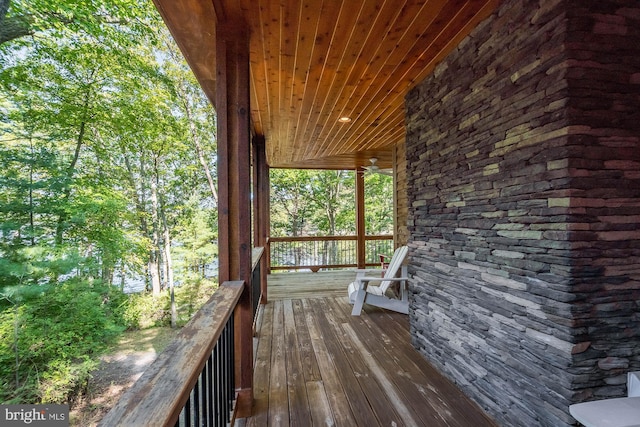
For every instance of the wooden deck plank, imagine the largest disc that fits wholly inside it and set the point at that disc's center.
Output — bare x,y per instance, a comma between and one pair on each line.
409,382
391,397
349,378
342,413
452,405
278,393
299,414
359,359
262,370
310,368
321,414
347,368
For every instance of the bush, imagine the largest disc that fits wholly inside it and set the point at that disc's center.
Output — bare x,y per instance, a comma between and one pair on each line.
50,337
144,310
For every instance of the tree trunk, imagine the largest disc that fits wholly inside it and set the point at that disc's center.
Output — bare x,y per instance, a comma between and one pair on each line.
13,27
4,7
169,264
196,143
140,208
154,260
31,206
62,218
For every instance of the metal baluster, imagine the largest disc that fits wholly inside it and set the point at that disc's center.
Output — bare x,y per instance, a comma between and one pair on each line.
196,403
218,391
211,392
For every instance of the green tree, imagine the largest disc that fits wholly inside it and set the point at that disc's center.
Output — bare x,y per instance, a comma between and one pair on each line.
322,202
100,18
105,144
378,203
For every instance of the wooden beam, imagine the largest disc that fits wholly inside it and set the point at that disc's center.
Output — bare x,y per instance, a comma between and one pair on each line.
360,224
234,181
261,208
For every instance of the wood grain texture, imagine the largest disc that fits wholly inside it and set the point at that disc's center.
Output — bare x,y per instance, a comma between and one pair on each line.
177,368
358,370
314,61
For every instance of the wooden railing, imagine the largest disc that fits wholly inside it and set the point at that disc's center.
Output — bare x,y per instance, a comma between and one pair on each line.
256,278
191,383
323,252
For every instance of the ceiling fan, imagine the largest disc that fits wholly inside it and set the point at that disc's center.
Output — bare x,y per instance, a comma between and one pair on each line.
374,168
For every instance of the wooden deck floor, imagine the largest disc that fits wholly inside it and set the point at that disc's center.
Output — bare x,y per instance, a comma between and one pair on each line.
318,365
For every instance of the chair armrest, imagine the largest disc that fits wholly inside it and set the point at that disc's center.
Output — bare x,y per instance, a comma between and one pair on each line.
361,271
380,279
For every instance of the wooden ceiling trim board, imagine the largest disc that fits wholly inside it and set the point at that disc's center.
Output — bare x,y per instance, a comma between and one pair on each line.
370,48
269,18
275,59
290,31
312,61
260,89
331,69
305,103
384,137
263,42
286,64
371,125
359,141
384,95
378,26
190,26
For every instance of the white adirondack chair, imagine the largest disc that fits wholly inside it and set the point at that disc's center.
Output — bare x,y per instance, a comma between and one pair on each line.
361,291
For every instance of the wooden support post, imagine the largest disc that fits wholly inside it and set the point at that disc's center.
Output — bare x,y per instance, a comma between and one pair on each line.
360,224
261,208
234,182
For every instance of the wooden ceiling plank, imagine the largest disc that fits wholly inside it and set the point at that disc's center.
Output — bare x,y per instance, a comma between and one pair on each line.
447,39
331,70
330,13
366,98
305,34
314,60
472,17
380,19
400,73
260,50
311,43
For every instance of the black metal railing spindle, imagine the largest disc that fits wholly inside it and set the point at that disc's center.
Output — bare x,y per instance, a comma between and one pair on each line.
211,400
325,252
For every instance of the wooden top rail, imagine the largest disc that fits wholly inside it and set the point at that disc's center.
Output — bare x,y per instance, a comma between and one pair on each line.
330,238
256,255
158,397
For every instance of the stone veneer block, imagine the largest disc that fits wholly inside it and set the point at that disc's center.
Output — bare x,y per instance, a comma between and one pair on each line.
523,186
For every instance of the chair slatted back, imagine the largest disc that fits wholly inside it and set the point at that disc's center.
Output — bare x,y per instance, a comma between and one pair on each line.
394,266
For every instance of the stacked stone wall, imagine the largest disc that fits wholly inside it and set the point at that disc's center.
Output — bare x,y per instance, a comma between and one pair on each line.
523,187
604,164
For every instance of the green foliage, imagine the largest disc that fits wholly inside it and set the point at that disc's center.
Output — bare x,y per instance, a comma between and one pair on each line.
309,202
378,204
49,337
145,310
100,122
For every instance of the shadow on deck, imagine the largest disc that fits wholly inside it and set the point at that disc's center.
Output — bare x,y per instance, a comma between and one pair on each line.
318,365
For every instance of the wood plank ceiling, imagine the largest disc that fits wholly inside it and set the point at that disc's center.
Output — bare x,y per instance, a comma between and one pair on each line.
315,61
